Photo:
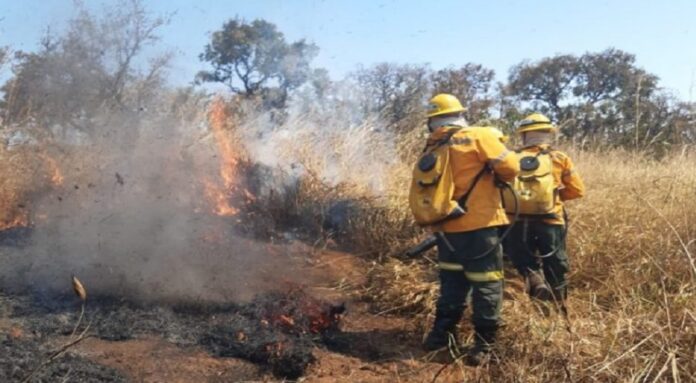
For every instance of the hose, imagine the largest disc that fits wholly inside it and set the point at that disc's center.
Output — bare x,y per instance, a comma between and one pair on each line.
507,230
554,251
431,242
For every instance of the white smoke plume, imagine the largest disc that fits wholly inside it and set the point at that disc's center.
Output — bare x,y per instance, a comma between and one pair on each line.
132,217
331,137
133,220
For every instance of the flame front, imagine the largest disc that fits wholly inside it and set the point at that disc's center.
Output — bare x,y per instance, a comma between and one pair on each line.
229,153
54,171
18,184
218,118
219,199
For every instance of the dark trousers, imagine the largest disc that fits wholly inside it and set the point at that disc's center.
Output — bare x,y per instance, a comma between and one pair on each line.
464,271
534,246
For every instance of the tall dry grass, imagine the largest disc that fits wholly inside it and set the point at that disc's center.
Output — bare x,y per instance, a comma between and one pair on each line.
25,171
632,305
632,298
632,287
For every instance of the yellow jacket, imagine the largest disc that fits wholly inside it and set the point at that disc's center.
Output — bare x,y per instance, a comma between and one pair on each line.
471,149
565,177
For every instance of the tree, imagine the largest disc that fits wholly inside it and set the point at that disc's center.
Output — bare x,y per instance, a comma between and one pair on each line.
88,69
546,84
321,82
471,84
51,85
609,75
3,56
609,89
600,95
254,59
395,91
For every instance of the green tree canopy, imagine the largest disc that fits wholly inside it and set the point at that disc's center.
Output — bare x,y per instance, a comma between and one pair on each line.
546,83
471,83
255,59
602,95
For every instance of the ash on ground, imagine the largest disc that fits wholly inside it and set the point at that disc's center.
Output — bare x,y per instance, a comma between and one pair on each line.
277,331
22,356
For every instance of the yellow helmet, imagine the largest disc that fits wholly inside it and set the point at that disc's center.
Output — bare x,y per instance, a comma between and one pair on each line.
535,121
442,104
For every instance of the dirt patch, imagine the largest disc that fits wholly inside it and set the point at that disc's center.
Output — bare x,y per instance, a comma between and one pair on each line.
370,349
156,360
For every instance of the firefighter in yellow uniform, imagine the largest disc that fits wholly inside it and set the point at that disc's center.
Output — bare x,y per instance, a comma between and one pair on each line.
536,244
469,250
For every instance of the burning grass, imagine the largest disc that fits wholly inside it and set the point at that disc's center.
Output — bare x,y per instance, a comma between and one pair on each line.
278,331
631,248
25,170
633,272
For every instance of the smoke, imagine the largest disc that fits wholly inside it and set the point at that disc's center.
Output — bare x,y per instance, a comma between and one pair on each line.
331,137
131,219
134,213
133,216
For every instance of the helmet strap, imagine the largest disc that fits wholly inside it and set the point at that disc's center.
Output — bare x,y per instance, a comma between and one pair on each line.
431,126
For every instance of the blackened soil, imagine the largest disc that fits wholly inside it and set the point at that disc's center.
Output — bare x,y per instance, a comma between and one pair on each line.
249,331
181,343
20,357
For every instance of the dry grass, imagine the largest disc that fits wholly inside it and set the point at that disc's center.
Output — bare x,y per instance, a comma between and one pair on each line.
26,170
633,281
633,292
13,189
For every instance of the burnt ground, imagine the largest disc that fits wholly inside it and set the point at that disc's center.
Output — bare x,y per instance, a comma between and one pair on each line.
194,342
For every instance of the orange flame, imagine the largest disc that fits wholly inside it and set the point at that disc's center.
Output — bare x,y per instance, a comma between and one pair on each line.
20,181
19,219
218,118
13,209
230,155
220,200
56,175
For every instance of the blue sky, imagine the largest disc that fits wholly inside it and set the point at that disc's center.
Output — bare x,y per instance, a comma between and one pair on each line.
497,34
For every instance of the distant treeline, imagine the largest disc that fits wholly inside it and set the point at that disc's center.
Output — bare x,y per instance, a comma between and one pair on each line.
595,97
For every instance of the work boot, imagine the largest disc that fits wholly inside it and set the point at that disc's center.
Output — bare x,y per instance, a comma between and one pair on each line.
484,339
438,339
445,325
536,286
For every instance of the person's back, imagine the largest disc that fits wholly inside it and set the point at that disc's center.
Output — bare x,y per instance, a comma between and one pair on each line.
474,150
469,251
536,245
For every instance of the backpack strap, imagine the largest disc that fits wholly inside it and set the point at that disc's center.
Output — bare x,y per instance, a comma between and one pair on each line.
443,141
462,201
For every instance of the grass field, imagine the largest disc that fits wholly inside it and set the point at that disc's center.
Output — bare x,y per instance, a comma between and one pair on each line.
632,285
632,305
